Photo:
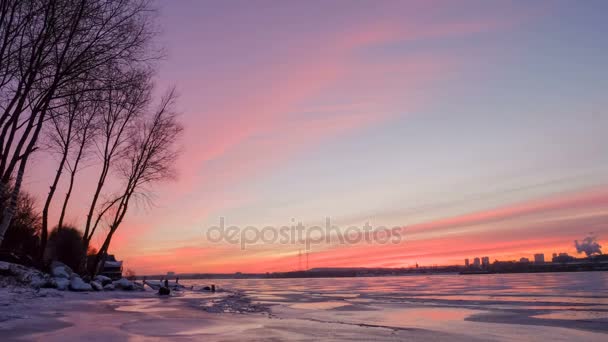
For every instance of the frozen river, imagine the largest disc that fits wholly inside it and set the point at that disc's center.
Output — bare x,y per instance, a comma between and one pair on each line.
498,306
514,307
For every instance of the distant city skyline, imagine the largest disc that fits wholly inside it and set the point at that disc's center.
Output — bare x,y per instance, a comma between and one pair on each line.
538,258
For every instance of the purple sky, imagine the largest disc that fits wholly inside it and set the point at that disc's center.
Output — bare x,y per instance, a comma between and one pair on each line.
481,125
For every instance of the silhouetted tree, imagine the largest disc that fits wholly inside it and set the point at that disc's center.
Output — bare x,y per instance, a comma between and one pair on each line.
122,106
22,235
149,158
48,46
69,137
86,129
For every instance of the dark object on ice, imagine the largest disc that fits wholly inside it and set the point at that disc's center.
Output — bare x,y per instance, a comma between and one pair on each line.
209,288
166,283
164,291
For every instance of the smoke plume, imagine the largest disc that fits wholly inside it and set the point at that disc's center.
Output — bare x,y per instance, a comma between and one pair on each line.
589,246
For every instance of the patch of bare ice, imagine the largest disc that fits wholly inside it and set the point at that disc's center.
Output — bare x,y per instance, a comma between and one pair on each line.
319,305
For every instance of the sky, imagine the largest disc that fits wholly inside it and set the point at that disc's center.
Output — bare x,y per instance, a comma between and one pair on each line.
477,128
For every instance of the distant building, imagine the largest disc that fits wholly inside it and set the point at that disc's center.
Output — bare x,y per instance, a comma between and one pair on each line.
466,262
539,258
524,260
485,261
563,258
476,262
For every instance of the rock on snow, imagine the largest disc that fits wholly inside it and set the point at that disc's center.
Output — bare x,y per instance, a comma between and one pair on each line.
103,280
60,270
77,284
25,275
124,284
96,286
62,284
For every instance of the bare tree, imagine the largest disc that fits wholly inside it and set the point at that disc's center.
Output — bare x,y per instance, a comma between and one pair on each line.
12,26
72,128
122,107
46,45
149,158
86,130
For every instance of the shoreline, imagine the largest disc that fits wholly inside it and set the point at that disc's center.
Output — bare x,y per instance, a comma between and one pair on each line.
457,270
245,276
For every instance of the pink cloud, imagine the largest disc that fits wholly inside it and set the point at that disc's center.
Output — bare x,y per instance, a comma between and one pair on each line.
520,236
255,121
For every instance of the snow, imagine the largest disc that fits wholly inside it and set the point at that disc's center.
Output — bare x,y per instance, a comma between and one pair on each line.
60,270
103,279
156,284
61,284
38,280
96,286
124,284
24,275
62,278
77,284
113,264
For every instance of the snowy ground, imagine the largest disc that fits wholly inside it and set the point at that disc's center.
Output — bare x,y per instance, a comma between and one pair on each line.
504,308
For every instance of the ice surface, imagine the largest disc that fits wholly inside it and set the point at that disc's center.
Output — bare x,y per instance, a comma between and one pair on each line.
522,307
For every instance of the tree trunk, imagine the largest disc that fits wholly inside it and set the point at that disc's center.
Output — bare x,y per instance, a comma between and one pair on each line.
120,215
100,183
67,198
86,237
102,252
47,205
70,187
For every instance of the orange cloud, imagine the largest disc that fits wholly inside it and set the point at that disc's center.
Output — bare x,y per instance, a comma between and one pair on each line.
545,225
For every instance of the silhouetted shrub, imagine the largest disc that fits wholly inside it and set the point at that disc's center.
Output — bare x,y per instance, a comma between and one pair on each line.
22,236
65,245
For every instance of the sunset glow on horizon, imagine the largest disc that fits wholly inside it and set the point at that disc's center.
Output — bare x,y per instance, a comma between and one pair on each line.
477,127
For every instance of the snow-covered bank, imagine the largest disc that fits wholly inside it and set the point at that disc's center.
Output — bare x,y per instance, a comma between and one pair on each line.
17,275
61,278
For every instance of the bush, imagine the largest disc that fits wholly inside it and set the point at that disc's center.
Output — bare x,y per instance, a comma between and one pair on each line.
65,245
22,236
